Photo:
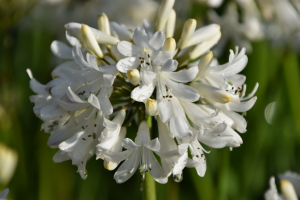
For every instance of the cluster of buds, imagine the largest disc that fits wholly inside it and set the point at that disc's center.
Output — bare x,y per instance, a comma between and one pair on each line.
114,76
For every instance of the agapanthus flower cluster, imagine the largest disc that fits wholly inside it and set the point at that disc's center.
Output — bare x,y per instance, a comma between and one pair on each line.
114,76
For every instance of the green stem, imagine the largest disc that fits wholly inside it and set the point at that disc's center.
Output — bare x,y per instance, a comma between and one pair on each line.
149,190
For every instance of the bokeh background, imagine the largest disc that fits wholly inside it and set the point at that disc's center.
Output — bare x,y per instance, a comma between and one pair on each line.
27,28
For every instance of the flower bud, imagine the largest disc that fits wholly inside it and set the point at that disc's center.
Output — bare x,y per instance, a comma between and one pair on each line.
170,45
204,46
103,23
288,190
170,25
90,40
109,165
163,13
133,76
8,160
74,29
151,106
203,34
204,64
187,32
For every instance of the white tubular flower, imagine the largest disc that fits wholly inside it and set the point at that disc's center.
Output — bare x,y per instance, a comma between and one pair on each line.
4,193
138,152
221,86
117,147
111,132
144,51
173,158
272,193
8,163
292,177
164,12
73,29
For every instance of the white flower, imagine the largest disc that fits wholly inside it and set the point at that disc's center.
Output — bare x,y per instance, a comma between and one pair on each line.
221,87
138,153
272,193
144,50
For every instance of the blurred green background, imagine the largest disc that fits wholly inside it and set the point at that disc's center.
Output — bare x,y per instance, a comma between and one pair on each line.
241,174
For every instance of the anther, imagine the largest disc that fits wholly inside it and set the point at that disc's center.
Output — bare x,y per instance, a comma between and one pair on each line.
82,127
83,138
95,125
89,135
147,63
148,56
197,156
202,155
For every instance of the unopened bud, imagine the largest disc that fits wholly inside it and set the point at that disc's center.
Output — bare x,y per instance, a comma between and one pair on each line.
187,32
151,107
204,64
109,165
204,46
170,25
204,33
103,23
90,40
163,13
170,45
134,76
288,190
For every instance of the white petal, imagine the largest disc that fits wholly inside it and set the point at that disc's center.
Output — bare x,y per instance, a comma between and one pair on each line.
73,97
128,63
110,125
117,156
157,40
60,156
129,144
108,80
51,112
184,75
142,92
128,49
93,100
237,79
147,76
143,134
70,143
153,145
160,57
243,106
105,104
77,55
170,65
155,169
128,168
122,32
212,93
61,50
183,92
140,37
70,106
